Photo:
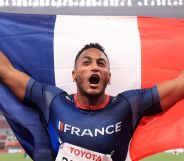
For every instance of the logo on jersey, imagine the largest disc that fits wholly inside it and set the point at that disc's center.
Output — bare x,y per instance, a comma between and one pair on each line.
106,130
69,152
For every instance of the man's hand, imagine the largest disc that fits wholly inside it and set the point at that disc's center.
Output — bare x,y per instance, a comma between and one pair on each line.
171,92
14,79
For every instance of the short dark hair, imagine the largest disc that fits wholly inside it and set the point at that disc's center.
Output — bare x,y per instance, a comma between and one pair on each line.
89,46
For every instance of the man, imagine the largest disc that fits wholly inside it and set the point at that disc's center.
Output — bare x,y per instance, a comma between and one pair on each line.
91,125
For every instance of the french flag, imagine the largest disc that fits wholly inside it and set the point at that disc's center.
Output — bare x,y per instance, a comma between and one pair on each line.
142,51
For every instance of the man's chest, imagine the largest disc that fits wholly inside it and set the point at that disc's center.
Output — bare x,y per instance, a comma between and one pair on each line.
103,131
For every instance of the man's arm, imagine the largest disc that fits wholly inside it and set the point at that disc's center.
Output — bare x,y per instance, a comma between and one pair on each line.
171,92
14,79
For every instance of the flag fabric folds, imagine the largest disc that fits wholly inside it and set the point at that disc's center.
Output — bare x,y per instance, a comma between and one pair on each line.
162,58
142,52
28,42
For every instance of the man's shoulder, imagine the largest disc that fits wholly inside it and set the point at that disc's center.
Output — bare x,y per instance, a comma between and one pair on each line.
132,92
44,87
138,92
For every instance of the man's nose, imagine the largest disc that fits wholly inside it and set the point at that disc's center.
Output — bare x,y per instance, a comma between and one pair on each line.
95,67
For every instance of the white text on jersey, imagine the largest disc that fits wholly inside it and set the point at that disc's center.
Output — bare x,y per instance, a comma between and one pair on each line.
108,130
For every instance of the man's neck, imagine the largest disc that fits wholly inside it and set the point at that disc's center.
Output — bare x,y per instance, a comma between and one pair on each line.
91,102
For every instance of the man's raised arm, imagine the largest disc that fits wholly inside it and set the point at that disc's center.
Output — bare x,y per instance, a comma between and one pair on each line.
171,91
14,79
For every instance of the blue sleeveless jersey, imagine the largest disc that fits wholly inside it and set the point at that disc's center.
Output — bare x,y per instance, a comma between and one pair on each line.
107,131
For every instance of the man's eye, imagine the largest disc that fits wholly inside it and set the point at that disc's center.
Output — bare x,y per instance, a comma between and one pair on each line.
101,64
86,62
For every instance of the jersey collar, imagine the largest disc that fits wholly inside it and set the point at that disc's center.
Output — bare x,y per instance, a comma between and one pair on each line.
97,107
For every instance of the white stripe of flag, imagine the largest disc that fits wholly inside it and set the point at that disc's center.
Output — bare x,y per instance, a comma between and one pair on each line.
120,38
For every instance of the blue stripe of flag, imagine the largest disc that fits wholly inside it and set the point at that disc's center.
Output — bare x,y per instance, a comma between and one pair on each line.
28,42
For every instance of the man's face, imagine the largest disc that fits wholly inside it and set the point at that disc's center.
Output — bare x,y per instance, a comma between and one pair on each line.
92,72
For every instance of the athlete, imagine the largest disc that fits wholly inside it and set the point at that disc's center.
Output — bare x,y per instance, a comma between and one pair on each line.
91,125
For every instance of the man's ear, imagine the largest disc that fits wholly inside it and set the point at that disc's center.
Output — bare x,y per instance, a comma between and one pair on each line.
74,76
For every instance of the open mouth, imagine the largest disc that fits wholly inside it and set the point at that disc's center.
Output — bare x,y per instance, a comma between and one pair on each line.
94,79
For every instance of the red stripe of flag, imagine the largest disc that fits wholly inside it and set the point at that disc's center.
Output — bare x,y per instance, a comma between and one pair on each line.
162,49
